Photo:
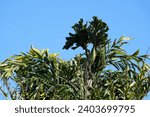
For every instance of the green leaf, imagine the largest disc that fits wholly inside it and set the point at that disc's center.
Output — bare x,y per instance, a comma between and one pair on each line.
93,55
136,53
36,52
119,52
121,39
132,84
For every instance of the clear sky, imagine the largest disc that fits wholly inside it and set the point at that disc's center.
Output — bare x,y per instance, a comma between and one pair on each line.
46,23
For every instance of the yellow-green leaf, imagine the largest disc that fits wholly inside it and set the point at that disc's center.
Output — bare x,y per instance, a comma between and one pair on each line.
93,55
136,53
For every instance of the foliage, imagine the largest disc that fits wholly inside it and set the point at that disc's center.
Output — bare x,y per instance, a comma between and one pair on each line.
103,71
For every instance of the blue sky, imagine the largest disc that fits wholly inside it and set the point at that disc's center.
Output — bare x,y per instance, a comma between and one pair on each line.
46,23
